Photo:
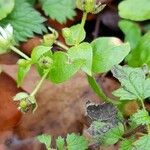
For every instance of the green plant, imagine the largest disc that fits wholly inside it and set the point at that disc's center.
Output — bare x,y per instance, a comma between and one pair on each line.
72,142
101,55
140,47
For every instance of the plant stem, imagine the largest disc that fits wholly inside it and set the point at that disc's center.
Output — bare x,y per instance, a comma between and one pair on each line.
40,83
60,44
16,50
84,17
98,90
143,106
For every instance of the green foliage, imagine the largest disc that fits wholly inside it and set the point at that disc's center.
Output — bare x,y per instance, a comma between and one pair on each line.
100,56
147,27
107,52
143,143
113,135
60,10
134,84
63,68
6,7
32,2
38,52
74,35
60,143
23,69
127,144
132,32
75,142
82,51
24,65
140,54
141,117
137,10
45,139
25,20
72,142
20,96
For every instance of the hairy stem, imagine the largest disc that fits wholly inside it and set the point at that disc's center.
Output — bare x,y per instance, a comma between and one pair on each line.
16,50
98,90
84,17
40,83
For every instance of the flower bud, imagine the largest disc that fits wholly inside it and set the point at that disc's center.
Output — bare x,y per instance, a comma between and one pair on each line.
6,38
86,5
66,32
26,102
90,6
49,39
23,106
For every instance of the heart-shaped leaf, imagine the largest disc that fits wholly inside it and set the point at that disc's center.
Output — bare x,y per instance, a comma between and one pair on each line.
84,52
137,10
107,52
63,69
74,35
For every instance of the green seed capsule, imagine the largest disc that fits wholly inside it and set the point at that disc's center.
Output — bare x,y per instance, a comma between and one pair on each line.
45,62
23,105
86,5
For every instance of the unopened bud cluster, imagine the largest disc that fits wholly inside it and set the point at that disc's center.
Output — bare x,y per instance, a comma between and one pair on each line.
90,6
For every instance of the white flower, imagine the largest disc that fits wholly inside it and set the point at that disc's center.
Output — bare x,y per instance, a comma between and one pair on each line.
6,38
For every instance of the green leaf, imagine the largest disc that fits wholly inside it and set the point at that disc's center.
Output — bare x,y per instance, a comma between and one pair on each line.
20,96
127,144
137,10
141,117
6,8
59,10
74,35
132,32
146,27
113,135
45,139
107,52
23,69
82,51
143,143
60,143
25,20
140,55
38,52
133,83
32,2
63,68
76,142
